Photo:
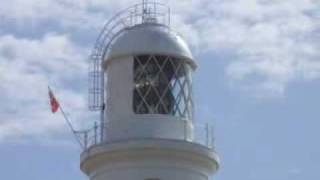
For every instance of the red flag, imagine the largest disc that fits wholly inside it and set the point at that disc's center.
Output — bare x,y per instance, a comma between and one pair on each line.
53,102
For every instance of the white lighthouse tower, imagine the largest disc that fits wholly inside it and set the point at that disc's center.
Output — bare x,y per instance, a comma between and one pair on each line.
141,84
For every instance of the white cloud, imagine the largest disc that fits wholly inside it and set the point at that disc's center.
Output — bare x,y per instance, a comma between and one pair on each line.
27,67
275,42
80,14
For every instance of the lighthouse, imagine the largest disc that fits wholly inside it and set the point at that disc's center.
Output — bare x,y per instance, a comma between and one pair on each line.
141,85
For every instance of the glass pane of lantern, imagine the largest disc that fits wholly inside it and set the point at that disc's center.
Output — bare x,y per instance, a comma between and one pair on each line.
162,85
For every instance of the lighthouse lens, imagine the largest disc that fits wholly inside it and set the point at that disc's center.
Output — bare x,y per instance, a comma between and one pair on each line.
162,86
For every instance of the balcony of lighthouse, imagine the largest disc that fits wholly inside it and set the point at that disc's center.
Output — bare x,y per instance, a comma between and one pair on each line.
94,136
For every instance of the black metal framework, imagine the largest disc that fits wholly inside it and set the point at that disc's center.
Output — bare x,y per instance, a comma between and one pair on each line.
162,85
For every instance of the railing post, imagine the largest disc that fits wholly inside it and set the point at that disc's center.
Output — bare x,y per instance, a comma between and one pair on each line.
185,131
86,139
101,131
207,134
212,136
95,132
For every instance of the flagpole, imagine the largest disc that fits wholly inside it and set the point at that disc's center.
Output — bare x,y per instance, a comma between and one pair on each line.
70,125
68,122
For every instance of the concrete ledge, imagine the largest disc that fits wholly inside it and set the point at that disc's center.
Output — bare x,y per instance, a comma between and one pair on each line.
174,151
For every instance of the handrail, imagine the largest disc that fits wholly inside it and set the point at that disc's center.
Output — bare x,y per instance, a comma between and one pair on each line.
203,135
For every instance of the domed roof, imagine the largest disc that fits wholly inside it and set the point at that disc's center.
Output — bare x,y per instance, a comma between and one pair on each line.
149,39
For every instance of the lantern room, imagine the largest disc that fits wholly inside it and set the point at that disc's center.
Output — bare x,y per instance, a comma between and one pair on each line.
148,72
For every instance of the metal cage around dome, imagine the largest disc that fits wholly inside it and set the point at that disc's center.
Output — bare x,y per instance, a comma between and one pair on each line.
146,12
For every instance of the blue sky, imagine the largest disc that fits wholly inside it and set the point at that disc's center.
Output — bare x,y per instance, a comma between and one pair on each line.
257,82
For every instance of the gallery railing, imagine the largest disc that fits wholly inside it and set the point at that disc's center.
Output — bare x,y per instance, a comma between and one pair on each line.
203,135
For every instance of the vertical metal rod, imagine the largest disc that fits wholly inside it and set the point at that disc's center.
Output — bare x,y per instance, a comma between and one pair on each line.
86,139
102,107
95,132
207,134
101,130
96,81
185,131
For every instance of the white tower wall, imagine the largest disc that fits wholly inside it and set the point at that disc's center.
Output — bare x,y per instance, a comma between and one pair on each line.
149,160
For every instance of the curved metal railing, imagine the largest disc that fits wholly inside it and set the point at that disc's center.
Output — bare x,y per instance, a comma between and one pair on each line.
147,12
